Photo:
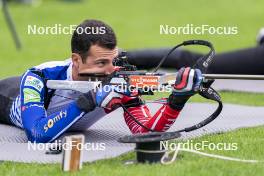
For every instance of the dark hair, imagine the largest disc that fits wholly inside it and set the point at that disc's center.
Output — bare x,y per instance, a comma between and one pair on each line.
92,32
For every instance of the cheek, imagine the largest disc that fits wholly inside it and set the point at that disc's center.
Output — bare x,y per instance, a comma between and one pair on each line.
110,68
85,67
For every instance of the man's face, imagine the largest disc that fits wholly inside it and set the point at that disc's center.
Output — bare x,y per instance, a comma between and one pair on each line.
99,60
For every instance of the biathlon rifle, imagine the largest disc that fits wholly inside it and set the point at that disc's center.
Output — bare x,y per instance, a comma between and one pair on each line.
127,74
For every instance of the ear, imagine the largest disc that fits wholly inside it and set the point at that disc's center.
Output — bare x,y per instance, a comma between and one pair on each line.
76,60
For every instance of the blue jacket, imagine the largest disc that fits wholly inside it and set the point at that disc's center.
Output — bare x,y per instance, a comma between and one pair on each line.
29,110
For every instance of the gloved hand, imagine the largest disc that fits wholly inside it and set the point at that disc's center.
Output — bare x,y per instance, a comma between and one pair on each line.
108,97
105,96
113,98
187,84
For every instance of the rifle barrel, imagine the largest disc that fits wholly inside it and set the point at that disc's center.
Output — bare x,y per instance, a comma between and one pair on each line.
233,76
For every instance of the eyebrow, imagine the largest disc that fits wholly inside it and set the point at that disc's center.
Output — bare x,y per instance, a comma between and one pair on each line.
102,59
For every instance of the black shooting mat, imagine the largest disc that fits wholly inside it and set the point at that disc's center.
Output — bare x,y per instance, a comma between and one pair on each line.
14,147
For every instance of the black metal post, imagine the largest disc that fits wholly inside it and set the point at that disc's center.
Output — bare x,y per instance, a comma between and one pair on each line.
11,25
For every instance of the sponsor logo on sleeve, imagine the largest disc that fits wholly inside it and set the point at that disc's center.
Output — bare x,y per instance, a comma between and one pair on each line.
51,122
34,82
31,96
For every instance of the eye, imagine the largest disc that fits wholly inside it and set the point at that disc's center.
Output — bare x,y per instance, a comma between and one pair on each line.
101,63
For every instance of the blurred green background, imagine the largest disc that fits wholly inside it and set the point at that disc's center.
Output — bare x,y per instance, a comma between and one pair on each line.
136,24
